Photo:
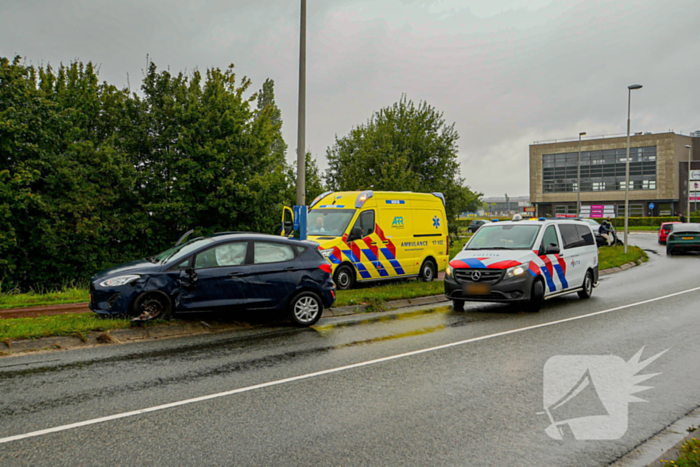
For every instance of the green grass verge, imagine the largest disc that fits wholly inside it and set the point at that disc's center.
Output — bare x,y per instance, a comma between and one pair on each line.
375,296
78,324
646,228
689,455
612,257
60,297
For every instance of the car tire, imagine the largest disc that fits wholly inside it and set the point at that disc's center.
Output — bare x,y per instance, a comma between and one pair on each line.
428,271
536,296
458,305
152,305
587,286
344,277
305,309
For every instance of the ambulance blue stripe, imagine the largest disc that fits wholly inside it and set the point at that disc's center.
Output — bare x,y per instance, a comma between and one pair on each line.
333,259
562,277
474,263
351,255
548,277
397,266
363,271
376,263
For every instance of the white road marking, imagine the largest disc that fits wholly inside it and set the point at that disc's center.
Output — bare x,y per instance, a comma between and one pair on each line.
157,408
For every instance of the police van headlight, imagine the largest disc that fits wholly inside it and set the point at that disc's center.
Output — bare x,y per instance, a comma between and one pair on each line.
515,271
448,271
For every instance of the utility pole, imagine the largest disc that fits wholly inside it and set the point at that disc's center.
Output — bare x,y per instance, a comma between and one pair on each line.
301,133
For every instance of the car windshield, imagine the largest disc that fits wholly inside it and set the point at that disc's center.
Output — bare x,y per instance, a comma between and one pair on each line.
177,252
504,237
328,222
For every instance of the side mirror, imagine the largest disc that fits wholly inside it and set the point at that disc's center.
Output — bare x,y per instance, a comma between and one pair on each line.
355,234
288,228
552,249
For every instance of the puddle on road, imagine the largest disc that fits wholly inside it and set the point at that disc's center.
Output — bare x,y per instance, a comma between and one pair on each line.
380,319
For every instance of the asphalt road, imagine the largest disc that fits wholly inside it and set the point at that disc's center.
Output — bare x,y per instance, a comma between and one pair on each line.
477,399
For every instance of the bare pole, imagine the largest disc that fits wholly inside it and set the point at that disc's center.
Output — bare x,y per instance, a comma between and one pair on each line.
578,186
627,161
301,133
687,182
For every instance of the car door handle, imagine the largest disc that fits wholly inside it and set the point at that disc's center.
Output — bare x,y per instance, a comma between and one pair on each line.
291,269
386,242
237,274
373,243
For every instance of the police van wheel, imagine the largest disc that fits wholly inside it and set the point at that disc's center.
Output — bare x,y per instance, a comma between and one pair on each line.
458,305
427,271
536,296
344,277
587,286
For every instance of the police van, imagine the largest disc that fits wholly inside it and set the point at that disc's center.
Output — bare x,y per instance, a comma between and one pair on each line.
378,235
524,261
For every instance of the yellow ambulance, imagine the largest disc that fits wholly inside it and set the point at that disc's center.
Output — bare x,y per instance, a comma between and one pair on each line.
370,236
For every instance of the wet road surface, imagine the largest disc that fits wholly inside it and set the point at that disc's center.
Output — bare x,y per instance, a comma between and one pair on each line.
469,402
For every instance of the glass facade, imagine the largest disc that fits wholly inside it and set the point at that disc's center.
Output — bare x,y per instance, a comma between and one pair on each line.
600,170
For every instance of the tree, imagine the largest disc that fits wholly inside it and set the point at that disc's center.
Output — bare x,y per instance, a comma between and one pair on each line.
314,183
403,147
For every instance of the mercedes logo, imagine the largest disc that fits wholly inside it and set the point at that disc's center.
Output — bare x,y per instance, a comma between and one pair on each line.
476,276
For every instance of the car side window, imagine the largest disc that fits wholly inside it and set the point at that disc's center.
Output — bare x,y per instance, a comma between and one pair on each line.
266,253
366,223
185,264
550,238
585,233
228,254
570,236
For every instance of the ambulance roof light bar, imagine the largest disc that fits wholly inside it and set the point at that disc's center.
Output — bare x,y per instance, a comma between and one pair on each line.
441,196
362,197
319,198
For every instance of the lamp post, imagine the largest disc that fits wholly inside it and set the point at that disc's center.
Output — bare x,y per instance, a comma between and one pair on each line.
630,88
578,186
301,130
687,182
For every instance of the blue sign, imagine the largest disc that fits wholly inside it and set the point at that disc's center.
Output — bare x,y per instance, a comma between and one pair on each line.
395,201
651,205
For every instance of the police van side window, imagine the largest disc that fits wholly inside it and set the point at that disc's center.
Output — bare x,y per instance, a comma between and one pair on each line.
366,223
571,237
550,238
585,232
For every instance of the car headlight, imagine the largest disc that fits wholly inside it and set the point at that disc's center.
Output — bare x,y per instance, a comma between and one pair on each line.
515,271
326,253
448,271
119,281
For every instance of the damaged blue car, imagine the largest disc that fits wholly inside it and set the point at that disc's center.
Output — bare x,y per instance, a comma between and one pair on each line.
221,272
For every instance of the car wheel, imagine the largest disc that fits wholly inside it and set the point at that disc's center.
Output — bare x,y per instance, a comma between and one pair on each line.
344,277
151,305
305,309
458,305
536,296
587,286
427,271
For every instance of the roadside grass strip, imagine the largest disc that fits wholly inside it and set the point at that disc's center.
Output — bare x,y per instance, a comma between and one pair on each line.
157,408
689,455
66,295
614,256
78,324
377,295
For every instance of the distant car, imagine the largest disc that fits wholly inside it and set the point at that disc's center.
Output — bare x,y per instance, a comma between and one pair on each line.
475,224
683,238
222,272
664,230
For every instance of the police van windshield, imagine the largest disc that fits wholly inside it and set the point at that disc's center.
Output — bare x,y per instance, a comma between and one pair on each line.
504,237
328,222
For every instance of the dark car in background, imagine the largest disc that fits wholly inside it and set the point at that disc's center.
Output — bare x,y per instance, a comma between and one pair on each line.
475,224
222,272
683,238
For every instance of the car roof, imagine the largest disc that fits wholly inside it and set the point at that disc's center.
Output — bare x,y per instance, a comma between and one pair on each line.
686,227
228,236
544,222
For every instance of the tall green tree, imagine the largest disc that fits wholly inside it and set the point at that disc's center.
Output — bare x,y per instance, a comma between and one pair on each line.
403,147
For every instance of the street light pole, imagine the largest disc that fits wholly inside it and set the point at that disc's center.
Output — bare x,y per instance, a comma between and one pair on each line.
301,133
578,186
687,182
630,88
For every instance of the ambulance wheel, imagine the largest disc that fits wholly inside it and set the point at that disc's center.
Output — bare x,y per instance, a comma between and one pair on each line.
427,271
344,277
458,305
536,296
587,286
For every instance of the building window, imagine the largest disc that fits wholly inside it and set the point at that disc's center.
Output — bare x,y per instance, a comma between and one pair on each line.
563,209
636,210
600,170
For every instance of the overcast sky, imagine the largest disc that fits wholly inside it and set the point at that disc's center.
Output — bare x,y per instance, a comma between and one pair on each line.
507,72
